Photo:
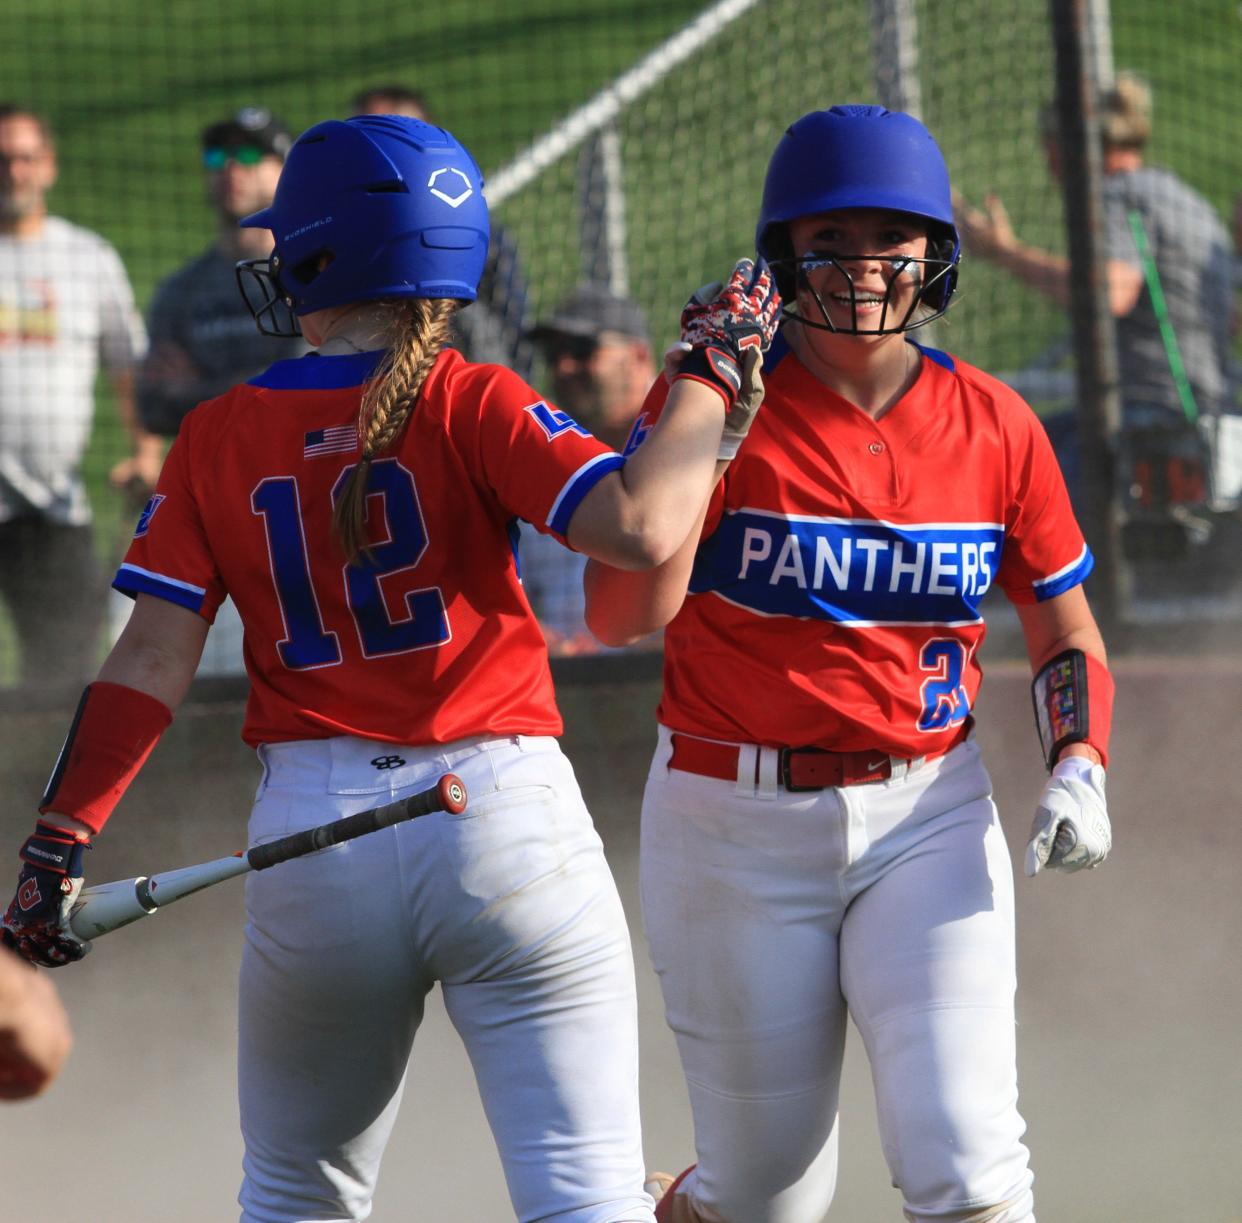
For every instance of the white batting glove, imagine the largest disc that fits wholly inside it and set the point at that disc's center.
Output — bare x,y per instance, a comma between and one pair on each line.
1071,829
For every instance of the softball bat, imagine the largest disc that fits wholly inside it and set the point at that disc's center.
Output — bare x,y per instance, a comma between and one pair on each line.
109,906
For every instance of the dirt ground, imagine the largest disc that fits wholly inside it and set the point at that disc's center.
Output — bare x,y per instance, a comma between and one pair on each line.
1130,997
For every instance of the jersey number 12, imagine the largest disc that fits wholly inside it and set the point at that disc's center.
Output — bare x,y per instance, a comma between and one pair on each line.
307,642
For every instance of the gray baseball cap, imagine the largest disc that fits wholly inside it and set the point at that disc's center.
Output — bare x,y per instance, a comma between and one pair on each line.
589,310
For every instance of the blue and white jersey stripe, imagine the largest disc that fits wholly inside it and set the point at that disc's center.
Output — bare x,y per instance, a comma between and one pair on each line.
134,580
850,571
861,571
1065,579
577,486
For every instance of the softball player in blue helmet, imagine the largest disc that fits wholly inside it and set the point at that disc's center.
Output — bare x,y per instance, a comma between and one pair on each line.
860,157
359,505
819,840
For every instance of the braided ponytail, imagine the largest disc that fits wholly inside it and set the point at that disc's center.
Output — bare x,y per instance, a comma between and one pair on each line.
421,329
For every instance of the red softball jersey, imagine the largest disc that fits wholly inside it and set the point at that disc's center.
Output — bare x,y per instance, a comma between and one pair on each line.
431,639
835,596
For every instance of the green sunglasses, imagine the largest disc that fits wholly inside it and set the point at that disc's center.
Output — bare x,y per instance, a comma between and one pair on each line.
243,154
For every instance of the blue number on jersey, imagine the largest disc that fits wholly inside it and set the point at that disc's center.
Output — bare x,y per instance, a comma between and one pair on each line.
427,623
554,423
307,642
945,702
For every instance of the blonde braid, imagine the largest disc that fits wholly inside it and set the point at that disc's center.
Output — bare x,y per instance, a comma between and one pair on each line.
421,327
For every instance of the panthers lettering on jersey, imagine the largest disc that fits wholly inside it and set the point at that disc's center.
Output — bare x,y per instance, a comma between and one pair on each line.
429,640
844,561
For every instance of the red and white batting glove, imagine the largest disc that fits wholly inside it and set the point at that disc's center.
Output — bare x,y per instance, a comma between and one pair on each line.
726,329
36,923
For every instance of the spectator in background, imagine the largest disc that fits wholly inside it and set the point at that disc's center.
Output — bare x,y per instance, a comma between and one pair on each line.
1169,261
203,338
65,304
493,330
598,353
35,1037
391,100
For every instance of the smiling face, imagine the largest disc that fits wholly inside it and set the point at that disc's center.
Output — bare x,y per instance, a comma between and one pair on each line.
859,270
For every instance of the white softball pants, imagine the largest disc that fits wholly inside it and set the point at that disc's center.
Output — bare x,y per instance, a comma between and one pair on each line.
511,907
769,914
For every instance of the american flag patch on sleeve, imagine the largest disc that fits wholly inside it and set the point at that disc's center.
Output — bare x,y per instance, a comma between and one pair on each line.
337,439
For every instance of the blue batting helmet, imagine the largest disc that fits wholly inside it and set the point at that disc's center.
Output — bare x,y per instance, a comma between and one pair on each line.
371,207
859,157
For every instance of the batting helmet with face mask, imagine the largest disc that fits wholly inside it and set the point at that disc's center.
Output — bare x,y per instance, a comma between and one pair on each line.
860,157
378,206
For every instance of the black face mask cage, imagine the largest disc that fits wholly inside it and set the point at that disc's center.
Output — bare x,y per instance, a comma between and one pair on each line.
932,274
271,309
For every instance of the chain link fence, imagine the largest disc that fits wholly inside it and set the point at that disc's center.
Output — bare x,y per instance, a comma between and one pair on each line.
623,143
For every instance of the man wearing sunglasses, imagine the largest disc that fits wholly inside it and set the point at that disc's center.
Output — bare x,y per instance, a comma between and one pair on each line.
203,340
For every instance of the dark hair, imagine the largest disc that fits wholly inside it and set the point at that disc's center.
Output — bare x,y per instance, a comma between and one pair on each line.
13,110
402,95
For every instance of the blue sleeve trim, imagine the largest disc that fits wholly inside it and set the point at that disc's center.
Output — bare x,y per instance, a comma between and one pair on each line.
1069,577
132,581
935,354
581,483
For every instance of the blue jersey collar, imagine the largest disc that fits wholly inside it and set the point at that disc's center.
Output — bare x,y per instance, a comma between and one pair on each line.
315,373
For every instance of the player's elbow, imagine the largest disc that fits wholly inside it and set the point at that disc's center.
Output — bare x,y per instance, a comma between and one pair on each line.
625,608
641,553
610,630
630,540
646,546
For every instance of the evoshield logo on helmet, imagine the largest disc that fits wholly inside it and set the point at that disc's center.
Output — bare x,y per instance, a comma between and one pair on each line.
297,233
453,201
351,224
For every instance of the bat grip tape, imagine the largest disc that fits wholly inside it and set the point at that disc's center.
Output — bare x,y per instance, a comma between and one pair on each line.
298,843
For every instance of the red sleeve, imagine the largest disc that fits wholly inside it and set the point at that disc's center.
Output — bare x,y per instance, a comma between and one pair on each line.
536,459
169,555
1045,553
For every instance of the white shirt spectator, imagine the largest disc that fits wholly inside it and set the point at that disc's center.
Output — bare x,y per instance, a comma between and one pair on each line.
65,305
